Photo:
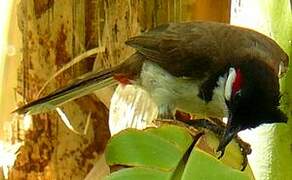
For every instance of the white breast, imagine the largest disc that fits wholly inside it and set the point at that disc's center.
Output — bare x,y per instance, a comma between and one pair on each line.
181,93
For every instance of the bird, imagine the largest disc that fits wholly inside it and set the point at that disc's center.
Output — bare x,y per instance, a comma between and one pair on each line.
207,68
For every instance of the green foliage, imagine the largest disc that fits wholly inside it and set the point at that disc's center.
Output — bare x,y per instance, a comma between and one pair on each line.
280,18
166,153
202,166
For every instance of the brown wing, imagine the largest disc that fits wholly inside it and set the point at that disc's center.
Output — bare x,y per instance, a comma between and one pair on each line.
195,48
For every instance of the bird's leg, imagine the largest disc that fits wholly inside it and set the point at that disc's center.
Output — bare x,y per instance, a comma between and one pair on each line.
217,126
245,147
245,150
166,115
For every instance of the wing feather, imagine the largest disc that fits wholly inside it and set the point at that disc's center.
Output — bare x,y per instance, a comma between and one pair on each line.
201,47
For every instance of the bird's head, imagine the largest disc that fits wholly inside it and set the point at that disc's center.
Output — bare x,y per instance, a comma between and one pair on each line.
252,96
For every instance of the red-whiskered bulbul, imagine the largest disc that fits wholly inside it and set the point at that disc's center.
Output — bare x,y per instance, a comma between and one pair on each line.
206,68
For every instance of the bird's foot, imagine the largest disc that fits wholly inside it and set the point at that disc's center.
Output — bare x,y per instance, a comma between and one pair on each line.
218,127
197,126
244,146
245,150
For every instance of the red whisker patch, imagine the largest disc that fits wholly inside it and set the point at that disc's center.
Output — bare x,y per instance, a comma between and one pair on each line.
123,79
238,82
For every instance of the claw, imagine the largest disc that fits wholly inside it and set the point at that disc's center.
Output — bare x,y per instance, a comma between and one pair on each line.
221,153
219,129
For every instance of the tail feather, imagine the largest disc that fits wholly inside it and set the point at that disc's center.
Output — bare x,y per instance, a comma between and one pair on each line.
130,67
72,91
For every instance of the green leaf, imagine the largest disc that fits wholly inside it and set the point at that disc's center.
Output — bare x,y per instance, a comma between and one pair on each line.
173,134
137,148
167,152
232,156
203,166
139,173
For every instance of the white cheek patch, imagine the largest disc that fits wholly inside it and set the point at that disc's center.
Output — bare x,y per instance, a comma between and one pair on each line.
229,83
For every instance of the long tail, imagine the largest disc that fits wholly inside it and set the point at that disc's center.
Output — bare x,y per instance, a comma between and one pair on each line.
81,87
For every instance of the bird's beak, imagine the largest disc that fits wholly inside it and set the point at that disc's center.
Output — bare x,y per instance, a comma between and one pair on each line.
229,133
